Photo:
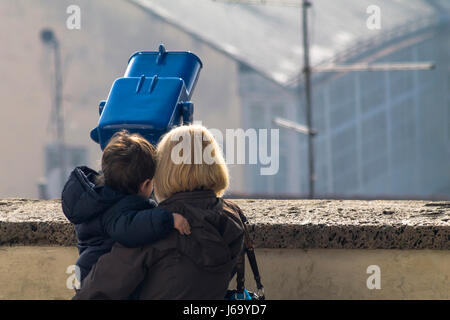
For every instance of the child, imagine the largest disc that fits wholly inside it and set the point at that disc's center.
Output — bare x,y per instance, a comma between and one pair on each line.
114,206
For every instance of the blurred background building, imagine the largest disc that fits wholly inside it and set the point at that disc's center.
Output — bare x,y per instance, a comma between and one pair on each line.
380,133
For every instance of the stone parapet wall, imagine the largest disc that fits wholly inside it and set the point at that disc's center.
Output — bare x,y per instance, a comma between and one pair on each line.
306,249
292,224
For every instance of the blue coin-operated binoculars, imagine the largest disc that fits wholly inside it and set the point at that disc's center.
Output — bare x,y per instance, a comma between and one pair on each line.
152,97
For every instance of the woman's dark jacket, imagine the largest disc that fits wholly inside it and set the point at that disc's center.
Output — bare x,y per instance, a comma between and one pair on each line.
197,266
103,216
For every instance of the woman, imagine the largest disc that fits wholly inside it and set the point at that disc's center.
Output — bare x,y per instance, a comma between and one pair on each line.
191,177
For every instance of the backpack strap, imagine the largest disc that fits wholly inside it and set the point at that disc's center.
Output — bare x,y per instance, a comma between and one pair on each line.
240,266
240,273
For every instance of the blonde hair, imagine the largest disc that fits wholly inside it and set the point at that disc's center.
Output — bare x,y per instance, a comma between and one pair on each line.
173,175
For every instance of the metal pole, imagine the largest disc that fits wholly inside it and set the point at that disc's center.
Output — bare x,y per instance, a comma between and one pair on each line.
307,72
398,66
59,114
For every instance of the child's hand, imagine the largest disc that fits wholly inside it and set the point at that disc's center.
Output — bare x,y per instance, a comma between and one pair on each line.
180,223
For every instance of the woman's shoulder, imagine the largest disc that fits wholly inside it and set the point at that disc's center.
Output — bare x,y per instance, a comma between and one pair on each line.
231,208
231,205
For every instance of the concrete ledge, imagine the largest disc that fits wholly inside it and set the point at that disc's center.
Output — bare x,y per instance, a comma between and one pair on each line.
306,249
293,224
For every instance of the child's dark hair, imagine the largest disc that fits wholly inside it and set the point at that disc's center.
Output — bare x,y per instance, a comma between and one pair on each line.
128,160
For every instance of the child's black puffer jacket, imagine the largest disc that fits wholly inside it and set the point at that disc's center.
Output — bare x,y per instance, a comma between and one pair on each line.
103,216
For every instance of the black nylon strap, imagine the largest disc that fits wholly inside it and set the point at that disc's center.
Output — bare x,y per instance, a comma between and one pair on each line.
249,249
240,273
252,260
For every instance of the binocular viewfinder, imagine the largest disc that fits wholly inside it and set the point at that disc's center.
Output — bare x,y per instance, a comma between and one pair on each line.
152,97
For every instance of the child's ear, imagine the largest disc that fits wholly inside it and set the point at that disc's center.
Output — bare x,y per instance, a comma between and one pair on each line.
144,185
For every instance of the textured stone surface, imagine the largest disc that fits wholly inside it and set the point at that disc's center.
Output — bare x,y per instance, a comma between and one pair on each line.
273,223
24,222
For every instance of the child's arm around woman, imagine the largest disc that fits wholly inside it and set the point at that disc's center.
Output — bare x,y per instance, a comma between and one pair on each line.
135,222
